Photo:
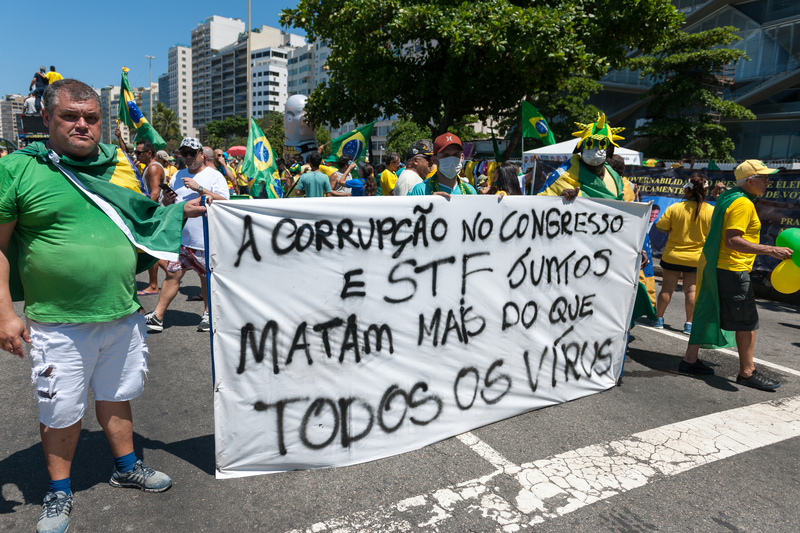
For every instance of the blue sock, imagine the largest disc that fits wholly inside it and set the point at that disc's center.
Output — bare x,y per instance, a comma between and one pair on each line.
61,484
125,463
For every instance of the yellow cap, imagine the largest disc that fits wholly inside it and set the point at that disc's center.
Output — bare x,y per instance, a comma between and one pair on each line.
752,167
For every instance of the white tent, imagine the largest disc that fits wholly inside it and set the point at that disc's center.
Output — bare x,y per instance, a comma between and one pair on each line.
562,151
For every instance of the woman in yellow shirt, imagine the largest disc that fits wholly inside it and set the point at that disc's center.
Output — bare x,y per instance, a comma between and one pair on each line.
687,223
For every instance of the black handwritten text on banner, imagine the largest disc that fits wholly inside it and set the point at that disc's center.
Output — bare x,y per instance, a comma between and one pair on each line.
346,330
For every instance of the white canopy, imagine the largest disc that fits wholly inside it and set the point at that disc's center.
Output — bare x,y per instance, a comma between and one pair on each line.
562,151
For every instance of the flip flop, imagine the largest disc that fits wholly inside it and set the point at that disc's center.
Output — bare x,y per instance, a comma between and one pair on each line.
197,298
145,293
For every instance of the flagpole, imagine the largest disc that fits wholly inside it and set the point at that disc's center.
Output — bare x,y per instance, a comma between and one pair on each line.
249,72
523,158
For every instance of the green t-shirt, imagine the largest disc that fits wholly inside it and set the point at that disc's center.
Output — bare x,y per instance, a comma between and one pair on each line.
75,263
315,184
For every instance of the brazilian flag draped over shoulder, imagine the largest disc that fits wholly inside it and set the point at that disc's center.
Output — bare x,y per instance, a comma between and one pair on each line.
128,113
259,164
354,144
534,125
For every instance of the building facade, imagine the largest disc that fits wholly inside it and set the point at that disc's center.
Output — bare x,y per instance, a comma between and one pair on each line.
768,84
180,97
210,36
10,107
109,104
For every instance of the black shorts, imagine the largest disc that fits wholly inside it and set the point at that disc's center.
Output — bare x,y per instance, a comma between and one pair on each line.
678,268
737,301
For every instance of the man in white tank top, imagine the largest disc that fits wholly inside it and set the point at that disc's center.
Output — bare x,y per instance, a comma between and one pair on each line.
154,175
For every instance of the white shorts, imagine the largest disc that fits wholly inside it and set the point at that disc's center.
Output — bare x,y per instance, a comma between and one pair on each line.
109,357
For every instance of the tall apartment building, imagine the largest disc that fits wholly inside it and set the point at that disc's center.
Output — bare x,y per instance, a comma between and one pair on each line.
163,88
180,97
269,53
143,99
301,70
210,36
269,75
10,107
109,104
768,84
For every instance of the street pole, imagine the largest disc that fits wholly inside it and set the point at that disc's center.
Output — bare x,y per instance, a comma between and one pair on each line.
150,87
249,72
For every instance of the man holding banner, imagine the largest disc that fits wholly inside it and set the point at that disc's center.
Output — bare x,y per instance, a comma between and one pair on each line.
80,292
725,311
449,153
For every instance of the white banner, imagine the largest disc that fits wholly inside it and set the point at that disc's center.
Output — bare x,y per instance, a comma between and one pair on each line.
350,329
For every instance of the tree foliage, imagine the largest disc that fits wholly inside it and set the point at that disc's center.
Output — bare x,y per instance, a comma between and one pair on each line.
685,102
406,131
166,123
437,62
229,132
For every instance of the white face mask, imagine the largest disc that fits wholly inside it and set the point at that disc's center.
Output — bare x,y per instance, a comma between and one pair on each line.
594,157
450,166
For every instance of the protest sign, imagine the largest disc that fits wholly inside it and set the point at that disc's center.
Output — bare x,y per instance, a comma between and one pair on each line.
778,209
347,330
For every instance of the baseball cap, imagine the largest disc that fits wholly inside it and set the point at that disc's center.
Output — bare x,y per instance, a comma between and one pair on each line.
130,147
418,149
444,140
752,167
331,159
191,142
162,154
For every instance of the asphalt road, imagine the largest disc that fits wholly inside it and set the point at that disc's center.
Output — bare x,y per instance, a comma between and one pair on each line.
608,462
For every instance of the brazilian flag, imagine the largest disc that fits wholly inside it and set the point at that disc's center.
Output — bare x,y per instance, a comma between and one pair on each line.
259,164
534,125
354,144
129,114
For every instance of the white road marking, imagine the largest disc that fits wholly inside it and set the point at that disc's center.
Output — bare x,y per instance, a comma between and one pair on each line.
681,336
553,487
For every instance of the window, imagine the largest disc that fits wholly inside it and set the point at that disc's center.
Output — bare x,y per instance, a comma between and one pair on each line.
274,84
184,107
184,114
183,52
184,100
184,94
183,80
274,93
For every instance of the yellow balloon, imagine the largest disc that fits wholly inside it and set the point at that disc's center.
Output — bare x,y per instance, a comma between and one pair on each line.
786,277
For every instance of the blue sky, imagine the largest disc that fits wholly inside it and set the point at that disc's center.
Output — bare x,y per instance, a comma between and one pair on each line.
92,41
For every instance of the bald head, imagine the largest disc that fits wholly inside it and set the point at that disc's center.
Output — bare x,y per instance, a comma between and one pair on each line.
209,153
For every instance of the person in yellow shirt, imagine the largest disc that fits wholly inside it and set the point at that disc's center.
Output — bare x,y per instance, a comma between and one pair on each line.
726,309
53,76
687,223
389,176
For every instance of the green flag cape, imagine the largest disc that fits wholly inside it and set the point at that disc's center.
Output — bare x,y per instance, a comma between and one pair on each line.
534,125
593,185
155,230
259,164
705,320
128,113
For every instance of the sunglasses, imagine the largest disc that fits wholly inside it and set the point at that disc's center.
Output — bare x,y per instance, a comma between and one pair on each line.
140,152
188,153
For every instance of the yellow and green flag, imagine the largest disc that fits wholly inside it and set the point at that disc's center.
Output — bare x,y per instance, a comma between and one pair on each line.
354,144
534,124
259,164
129,114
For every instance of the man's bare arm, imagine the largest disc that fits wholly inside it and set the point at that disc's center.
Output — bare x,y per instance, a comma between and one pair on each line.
12,328
734,241
154,177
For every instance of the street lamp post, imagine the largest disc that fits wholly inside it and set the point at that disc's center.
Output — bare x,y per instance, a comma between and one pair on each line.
380,148
249,72
150,87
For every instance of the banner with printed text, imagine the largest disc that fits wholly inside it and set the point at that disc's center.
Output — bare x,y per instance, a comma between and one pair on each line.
348,330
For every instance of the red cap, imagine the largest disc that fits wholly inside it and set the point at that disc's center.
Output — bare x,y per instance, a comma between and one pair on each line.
444,140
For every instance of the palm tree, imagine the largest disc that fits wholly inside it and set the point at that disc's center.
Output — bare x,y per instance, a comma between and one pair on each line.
166,123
